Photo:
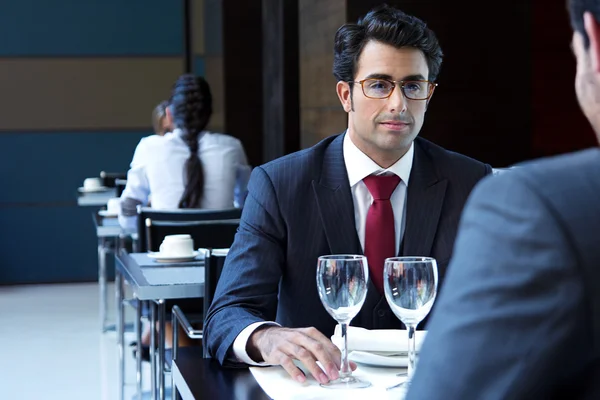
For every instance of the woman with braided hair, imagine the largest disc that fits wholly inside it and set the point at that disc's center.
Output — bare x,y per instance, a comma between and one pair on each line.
188,167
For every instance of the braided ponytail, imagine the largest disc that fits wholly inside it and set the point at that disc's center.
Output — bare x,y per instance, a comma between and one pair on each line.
191,107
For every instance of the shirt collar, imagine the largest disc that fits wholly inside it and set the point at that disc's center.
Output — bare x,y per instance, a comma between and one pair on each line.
180,133
359,165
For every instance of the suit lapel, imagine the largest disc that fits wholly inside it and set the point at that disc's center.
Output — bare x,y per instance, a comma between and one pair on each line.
425,198
334,201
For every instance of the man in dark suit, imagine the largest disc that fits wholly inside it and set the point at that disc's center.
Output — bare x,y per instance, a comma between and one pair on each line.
318,201
519,314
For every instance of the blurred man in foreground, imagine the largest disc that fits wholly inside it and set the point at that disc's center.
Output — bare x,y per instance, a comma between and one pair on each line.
519,315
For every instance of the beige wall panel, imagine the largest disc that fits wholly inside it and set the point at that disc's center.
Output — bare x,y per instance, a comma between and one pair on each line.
214,75
198,27
321,114
319,123
318,85
89,93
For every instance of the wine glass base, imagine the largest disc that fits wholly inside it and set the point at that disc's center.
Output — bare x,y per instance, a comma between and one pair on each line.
348,382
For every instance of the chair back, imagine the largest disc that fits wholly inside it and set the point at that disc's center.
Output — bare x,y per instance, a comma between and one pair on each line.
208,228
214,260
109,178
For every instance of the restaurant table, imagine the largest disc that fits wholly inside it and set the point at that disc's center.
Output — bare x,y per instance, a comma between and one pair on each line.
153,282
197,378
95,199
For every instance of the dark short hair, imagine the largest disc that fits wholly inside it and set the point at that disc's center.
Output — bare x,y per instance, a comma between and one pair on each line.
386,25
576,10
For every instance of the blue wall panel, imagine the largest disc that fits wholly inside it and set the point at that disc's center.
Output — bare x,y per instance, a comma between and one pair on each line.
49,244
91,27
199,68
49,167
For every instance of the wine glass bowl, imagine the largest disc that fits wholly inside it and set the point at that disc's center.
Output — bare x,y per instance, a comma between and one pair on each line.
410,286
342,287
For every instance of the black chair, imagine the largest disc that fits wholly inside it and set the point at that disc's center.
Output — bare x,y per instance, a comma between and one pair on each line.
154,225
109,178
214,261
208,229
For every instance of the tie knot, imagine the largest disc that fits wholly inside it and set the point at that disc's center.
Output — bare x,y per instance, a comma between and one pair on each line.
381,186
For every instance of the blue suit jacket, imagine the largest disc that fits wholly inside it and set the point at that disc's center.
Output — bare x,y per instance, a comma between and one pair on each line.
519,314
300,207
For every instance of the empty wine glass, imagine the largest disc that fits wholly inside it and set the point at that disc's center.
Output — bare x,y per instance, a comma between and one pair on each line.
342,286
410,286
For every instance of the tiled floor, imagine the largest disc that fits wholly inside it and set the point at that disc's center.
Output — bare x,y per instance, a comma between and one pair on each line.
52,347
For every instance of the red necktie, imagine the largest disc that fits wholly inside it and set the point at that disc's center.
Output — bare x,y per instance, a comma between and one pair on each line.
380,236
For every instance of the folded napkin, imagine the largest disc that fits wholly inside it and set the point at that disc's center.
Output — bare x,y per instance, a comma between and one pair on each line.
390,341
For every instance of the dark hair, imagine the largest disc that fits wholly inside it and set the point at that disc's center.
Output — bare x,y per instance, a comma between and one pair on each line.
576,10
386,25
191,107
158,114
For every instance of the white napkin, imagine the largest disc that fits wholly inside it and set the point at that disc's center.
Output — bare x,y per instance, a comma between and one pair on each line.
379,340
380,347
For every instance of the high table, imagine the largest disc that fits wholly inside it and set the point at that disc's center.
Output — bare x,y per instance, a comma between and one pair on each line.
153,282
198,378
95,199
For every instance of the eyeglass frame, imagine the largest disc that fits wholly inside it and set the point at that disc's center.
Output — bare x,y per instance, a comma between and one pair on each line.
396,83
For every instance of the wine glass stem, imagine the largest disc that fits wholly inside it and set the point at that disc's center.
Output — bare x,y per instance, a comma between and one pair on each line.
411,350
345,371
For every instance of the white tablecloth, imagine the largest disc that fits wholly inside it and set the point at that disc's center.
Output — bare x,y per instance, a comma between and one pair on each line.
278,385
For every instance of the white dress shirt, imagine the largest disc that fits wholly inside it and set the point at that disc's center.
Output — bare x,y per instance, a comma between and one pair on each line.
158,170
358,166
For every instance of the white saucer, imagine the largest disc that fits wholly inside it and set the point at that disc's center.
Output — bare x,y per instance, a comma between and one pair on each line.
171,259
92,190
106,214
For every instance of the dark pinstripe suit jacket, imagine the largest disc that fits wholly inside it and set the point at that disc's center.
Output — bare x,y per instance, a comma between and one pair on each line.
300,207
519,315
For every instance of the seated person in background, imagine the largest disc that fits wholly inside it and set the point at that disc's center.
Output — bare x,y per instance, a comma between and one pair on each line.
189,167
266,308
519,315
160,120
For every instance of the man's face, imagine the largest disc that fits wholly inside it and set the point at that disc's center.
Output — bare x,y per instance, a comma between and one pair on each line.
584,79
385,128
586,83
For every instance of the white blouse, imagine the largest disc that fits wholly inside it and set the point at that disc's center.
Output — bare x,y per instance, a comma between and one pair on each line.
157,170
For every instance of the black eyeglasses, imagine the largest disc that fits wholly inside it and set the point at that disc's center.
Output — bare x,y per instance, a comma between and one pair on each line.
383,88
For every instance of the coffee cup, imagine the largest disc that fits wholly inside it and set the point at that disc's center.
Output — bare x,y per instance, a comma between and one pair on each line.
92,183
113,205
177,246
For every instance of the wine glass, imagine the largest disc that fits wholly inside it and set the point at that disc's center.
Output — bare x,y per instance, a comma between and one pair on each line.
342,286
410,286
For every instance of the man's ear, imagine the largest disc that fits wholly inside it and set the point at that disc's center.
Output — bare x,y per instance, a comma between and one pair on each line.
343,91
592,29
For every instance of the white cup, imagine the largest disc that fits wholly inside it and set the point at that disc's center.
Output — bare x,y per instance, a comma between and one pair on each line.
113,205
92,183
177,246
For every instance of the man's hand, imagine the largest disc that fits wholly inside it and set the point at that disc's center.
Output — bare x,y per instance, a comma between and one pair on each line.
280,346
